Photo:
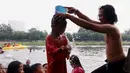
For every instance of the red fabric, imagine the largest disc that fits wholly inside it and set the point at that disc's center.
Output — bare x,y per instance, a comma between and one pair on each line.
78,70
55,57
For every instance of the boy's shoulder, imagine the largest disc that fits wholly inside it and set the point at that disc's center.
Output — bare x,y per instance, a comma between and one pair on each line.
48,36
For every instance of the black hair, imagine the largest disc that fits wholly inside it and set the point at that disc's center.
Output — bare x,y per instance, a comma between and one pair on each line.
44,64
58,21
75,60
34,67
13,67
109,13
27,69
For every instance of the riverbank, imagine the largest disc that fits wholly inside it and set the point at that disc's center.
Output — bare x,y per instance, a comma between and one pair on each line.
39,43
42,43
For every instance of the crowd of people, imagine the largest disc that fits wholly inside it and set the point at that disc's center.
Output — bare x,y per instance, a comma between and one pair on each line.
18,67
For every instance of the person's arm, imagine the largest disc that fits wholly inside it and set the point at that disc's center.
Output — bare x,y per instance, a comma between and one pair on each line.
68,47
102,28
68,42
80,14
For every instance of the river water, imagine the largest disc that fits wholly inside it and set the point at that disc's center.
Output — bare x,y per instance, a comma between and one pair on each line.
91,57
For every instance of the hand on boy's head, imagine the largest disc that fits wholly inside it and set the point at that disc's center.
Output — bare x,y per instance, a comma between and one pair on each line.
57,18
61,16
71,9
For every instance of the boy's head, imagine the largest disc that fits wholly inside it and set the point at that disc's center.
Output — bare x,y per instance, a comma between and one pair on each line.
58,24
45,66
37,68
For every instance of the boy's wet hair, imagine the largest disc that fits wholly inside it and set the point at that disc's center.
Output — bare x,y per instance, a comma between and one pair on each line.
58,21
109,13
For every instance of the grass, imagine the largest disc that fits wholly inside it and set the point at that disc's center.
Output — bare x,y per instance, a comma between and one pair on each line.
42,43
89,43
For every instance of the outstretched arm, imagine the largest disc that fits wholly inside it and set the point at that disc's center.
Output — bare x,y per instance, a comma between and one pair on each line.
80,14
102,28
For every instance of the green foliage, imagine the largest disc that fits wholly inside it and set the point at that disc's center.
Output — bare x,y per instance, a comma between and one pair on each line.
7,34
83,35
5,31
87,35
69,36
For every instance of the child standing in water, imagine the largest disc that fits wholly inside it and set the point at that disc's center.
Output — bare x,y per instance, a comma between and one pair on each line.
57,46
75,63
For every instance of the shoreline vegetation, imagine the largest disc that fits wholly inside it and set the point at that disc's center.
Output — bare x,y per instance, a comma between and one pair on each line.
42,43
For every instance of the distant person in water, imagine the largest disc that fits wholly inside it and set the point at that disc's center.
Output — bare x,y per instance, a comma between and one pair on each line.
5,45
57,47
8,45
31,48
113,39
76,65
28,62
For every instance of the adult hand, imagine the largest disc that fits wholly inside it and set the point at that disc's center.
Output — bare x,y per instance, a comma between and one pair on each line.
71,10
60,15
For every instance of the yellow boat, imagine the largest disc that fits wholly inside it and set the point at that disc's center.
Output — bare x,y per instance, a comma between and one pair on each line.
14,47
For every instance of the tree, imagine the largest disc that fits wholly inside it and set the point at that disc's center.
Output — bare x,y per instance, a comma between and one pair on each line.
87,35
5,31
35,34
69,36
19,35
